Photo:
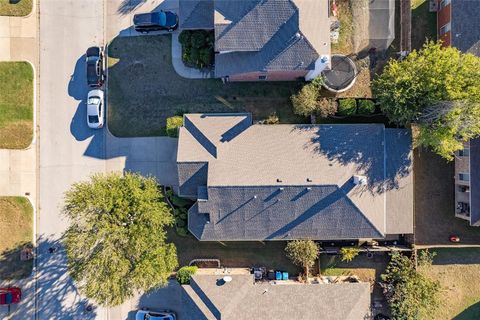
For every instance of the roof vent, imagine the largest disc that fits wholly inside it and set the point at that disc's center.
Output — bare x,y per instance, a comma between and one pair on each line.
359,180
279,180
309,180
309,188
255,197
281,188
298,35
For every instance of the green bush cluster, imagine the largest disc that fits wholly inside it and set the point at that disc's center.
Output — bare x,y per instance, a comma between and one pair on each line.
197,47
173,123
366,107
184,274
181,212
347,107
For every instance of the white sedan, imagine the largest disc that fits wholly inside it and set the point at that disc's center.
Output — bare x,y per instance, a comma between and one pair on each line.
95,109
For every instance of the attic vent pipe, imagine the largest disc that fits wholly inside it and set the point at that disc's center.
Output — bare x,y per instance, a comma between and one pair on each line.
279,180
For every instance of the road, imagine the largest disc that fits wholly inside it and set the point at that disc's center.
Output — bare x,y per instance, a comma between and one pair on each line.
71,152
67,28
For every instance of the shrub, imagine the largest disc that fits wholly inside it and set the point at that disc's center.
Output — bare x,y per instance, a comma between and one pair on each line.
326,107
198,39
179,202
272,119
182,232
305,101
185,38
347,107
318,81
182,216
366,107
205,56
184,274
173,123
348,253
180,222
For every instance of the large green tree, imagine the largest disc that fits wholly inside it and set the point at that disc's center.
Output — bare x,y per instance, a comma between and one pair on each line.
116,242
410,294
303,253
438,90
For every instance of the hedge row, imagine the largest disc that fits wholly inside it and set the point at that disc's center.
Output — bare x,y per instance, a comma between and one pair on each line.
351,107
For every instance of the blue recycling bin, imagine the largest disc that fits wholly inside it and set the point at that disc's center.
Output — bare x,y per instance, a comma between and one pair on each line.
285,276
278,275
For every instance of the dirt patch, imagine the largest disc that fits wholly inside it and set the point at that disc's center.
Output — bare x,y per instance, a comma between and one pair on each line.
16,135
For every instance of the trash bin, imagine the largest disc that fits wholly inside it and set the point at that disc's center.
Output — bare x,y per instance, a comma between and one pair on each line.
285,276
278,275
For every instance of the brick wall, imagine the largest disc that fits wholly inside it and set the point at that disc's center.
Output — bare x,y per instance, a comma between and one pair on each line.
271,76
444,17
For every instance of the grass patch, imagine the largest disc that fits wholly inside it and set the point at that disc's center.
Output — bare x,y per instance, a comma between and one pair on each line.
144,90
424,23
458,271
16,105
16,230
18,8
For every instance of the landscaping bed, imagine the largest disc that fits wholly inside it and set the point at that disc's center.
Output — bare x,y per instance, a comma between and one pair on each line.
180,212
16,105
19,8
144,90
16,233
197,48
424,23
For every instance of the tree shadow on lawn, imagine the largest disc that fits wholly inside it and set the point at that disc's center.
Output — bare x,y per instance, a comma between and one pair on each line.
12,267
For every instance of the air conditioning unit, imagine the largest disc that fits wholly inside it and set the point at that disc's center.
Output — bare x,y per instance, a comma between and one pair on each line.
359,180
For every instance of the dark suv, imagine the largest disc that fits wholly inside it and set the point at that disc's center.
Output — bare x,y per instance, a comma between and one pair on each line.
95,72
155,21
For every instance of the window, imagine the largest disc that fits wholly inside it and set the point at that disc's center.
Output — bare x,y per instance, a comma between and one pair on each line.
464,176
444,29
444,3
464,153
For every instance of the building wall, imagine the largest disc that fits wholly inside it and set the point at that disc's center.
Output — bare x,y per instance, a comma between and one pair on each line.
443,17
462,165
271,76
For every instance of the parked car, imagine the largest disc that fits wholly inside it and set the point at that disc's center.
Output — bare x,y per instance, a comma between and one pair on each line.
95,67
155,21
155,315
95,109
10,295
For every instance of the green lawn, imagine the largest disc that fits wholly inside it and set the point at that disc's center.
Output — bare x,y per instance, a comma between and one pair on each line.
16,232
458,271
16,105
15,7
144,89
424,23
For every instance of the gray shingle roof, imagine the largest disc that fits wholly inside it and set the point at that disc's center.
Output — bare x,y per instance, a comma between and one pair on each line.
475,181
190,176
259,159
242,299
196,14
465,25
269,35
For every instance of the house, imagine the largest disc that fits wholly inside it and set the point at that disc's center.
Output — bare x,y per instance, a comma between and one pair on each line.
459,26
281,182
263,39
209,297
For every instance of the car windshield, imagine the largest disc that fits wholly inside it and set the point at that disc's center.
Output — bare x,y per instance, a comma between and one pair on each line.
93,119
93,100
162,19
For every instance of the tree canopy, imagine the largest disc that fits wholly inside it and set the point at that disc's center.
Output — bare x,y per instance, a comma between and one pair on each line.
438,90
116,242
303,253
410,294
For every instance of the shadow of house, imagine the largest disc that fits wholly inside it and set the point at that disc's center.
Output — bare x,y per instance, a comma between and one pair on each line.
472,312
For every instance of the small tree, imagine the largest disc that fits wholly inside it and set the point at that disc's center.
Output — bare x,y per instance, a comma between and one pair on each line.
410,294
303,253
184,274
349,253
116,243
305,102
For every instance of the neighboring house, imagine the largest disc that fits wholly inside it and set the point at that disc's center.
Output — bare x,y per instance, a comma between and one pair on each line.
467,183
458,25
281,182
264,39
209,297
